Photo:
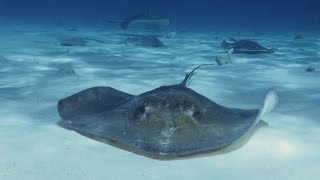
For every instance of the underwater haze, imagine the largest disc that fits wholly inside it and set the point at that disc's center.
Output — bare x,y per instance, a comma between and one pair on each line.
257,55
233,13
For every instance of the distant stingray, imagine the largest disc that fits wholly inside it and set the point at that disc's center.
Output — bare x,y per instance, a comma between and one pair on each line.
167,122
142,18
72,41
144,40
245,46
77,41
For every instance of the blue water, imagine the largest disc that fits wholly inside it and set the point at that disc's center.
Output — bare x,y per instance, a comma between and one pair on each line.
36,71
243,13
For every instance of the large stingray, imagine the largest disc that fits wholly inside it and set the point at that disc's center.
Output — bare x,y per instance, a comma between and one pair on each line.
169,121
245,46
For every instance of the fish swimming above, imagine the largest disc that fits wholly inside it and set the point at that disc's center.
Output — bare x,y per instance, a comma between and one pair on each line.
145,19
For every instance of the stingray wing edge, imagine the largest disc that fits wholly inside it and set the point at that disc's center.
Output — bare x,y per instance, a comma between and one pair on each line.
271,100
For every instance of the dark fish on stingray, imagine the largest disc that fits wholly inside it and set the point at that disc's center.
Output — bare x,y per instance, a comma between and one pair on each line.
245,46
167,122
142,18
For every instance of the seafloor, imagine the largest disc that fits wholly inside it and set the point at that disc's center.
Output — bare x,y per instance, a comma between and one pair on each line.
36,72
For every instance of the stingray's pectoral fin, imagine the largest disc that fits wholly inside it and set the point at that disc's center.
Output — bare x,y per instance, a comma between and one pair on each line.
270,101
91,101
229,54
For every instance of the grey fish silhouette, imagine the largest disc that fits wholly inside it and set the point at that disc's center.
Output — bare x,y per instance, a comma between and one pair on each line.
141,18
169,121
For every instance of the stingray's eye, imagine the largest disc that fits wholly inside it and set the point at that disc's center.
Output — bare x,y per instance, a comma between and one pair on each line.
196,113
140,110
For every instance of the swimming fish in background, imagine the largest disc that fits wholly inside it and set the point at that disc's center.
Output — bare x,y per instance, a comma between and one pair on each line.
145,19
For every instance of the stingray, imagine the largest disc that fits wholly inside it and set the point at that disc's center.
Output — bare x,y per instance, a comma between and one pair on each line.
77,41
144,40
245,46
72,41
145,19
167,122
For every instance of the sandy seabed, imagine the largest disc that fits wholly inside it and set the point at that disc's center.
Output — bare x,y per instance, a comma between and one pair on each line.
36,72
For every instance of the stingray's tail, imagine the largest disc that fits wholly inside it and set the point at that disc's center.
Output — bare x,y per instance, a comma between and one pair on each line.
186,80
229,54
